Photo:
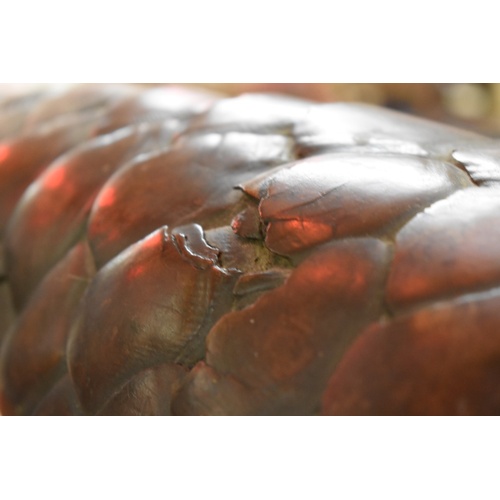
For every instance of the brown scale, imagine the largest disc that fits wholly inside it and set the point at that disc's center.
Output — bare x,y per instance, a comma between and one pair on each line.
169,251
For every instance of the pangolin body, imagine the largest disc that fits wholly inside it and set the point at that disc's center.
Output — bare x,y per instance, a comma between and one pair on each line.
170,251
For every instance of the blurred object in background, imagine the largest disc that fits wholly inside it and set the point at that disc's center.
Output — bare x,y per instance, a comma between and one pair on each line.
475,106
467,101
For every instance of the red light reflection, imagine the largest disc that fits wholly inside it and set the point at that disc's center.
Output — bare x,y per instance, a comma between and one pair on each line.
135,271
54,177
106,197
4,152
145,249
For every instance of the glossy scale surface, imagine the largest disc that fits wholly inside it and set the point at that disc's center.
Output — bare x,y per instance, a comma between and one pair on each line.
173,252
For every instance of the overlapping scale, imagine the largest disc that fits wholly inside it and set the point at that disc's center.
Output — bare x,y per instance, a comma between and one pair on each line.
169,251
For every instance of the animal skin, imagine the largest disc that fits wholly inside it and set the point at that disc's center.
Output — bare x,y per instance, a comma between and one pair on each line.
169,251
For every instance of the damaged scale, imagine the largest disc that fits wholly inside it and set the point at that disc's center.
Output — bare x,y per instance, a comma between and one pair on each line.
169,251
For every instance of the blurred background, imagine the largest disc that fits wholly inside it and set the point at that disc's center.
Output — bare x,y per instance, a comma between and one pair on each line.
475,106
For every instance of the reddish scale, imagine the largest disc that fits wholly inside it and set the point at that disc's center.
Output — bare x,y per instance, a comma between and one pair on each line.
34,350
284,347
193,182
161,315
54,209
53,182
439,360
450,249
205,319
32,153
4,152
339,195
137,269
106,198
54,178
